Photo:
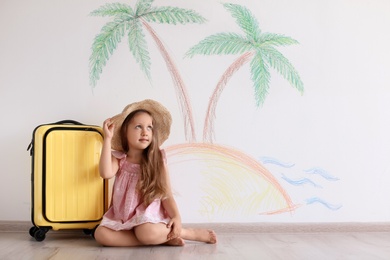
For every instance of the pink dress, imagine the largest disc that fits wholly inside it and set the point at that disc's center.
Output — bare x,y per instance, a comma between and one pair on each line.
127,209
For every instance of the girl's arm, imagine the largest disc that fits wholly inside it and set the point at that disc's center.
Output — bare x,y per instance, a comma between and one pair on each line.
108,165
170,206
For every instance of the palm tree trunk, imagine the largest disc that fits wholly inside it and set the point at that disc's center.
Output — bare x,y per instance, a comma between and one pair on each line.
208,131
181,90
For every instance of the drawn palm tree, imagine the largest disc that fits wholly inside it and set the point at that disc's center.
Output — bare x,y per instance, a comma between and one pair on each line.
255,46
131,22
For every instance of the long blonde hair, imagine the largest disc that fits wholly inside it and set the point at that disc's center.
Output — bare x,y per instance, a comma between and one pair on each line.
153,182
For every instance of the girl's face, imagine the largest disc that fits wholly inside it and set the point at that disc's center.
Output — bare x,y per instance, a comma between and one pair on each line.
140,131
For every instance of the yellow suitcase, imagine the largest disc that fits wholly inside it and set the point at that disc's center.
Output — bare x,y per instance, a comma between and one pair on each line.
67,190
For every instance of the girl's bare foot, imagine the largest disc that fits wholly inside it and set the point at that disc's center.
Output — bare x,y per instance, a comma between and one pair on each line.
175,242
201,235
212,237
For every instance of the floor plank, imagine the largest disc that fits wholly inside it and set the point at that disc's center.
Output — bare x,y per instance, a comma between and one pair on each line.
74,245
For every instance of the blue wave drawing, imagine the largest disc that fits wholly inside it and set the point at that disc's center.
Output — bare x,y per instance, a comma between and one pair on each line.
324,203
299,182
270,160
322,173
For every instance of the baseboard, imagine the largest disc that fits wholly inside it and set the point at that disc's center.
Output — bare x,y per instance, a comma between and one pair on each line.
24,226
294,227
15,226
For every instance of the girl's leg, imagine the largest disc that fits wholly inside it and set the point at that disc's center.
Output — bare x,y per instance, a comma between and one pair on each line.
109,237
200,235
155,234
151,234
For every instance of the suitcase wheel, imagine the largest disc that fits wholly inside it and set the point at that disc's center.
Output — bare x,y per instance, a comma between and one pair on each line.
38,233
33,230
90,232
87,232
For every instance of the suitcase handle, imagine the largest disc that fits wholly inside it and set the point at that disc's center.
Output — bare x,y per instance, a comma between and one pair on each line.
62,122
72,122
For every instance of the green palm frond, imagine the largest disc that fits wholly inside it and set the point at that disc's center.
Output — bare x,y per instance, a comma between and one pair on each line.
172,15
260,77
138,46
142,6
284,67
103,46
113,9
245,20
273,39
221,43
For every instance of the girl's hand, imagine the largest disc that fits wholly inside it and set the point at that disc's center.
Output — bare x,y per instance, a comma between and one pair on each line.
175,226
108,128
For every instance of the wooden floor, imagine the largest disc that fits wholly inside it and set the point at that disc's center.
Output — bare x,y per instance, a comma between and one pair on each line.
246,244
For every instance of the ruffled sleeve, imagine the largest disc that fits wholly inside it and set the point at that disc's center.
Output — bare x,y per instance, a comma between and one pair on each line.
121,156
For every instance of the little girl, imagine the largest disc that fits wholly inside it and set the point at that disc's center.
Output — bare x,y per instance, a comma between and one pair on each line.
143,210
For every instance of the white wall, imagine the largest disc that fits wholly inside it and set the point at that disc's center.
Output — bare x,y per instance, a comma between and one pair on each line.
340,124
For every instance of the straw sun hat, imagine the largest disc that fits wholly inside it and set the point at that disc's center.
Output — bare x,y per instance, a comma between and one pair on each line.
162,120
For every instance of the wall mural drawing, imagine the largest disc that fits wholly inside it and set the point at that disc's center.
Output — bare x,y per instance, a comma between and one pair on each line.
255,47
232,182
314,177
127,20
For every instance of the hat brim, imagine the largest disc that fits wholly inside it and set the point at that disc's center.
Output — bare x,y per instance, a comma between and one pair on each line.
160,114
